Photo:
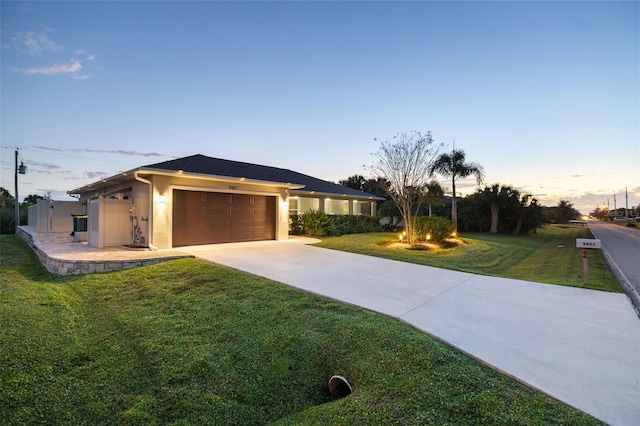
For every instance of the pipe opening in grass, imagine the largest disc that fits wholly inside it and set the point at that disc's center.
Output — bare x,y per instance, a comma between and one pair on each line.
339,386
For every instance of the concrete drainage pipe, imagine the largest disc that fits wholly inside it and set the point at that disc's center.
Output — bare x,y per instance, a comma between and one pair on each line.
339,386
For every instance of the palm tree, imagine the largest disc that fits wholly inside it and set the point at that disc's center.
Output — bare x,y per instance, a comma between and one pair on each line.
521,209
434,194
453,166
498,199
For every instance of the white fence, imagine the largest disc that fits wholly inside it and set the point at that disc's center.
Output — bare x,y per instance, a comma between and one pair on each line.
54,216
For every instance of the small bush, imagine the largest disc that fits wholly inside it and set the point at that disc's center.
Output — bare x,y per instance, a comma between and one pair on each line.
296,227
439,228
316,222
352,224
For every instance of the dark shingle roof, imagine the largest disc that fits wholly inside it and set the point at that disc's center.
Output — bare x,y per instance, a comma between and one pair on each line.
202,164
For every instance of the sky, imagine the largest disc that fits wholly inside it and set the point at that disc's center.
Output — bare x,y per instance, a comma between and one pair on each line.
544,95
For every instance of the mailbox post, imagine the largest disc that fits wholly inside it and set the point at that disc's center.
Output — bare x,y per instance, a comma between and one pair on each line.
584,244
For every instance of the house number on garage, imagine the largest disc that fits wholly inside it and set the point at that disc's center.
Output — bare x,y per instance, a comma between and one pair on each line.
233,187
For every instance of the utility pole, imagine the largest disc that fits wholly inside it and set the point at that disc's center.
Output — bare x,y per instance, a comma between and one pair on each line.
17,205
626,202
19,170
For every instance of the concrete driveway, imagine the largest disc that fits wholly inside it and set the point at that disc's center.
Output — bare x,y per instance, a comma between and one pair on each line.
579,346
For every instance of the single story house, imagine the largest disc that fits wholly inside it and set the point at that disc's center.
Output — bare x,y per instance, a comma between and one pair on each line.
203,200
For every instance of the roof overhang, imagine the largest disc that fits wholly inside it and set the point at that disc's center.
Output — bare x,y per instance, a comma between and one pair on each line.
334,196
130,175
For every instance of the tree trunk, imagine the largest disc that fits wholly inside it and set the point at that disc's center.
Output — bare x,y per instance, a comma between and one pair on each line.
519,225
454,211
495,208
408,222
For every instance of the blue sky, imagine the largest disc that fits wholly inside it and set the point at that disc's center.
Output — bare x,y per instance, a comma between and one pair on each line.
544,95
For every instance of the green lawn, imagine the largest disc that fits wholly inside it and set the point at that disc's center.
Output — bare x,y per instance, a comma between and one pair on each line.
187,342
549,256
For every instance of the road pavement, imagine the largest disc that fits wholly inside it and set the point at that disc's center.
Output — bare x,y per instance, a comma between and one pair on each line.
621,249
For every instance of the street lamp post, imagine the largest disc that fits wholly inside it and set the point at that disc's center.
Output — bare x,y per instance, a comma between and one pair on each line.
22,169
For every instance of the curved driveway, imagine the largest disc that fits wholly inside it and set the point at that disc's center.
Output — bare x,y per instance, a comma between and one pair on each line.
580,346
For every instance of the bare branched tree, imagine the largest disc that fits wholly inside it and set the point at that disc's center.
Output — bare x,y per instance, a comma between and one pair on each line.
406,162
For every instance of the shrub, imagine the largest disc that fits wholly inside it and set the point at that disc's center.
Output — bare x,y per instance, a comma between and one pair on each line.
296,227
353,224
316,222
439,228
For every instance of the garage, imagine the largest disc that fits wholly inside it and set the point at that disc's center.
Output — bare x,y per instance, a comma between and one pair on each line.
214,217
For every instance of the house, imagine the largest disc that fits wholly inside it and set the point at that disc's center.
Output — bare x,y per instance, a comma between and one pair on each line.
203,200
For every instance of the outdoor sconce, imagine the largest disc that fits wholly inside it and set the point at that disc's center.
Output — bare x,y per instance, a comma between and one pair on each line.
162,199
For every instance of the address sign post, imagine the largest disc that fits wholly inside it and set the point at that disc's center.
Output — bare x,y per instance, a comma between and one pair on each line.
584,244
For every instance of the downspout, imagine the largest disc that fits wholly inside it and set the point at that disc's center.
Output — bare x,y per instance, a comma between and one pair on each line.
150,215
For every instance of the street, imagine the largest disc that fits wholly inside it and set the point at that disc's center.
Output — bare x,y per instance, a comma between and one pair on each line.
621,249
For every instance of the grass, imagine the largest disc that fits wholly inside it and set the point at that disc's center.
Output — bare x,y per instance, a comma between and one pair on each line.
187,342
549,256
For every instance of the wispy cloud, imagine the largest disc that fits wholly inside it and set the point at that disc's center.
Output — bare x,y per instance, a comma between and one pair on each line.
94,175
46,148
100,151
33,43
70,68
47,166
117,152
37,44
83,53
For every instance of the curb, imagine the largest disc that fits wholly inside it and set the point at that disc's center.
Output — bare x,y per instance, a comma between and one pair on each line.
624,282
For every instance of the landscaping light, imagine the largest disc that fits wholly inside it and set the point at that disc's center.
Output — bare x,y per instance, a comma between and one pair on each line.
454,234
401,236
428,237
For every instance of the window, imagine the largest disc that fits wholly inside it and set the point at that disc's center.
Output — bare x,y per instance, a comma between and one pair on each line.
365,208
306,204
336,206
293,205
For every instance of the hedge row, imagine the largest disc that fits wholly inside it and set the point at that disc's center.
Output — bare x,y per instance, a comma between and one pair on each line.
318,223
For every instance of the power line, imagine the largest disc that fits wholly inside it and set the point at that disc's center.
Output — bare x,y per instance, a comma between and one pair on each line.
55,152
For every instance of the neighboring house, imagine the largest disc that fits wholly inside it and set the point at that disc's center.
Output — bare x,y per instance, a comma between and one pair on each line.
203,200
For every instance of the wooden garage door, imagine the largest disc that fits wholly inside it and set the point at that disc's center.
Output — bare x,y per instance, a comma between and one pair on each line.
212,217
